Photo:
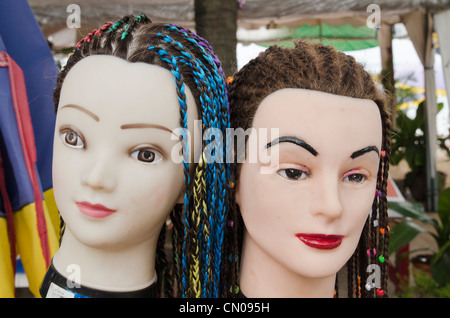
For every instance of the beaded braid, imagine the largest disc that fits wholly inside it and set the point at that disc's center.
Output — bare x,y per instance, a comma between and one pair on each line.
207,79
190,272
210,287
214,174
321,68
198,224
171,61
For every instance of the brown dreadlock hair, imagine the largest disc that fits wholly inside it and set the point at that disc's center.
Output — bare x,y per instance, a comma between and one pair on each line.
317,67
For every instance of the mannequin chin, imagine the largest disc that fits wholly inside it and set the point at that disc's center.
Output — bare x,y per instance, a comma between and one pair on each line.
303,221
114,180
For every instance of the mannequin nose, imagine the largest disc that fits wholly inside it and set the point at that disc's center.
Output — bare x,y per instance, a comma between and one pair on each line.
327,201
100,175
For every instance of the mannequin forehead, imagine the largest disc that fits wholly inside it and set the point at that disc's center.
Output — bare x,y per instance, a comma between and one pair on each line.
111,83
311,99
321,117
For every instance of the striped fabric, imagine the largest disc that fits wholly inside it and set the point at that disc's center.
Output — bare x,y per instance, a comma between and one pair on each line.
28,216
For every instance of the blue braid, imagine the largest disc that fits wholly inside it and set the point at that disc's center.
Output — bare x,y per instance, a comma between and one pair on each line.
191,38
217,211
210,82
205,243
171,62
204,100
199,74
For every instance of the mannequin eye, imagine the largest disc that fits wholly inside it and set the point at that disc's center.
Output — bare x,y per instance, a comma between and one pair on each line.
72,139
357,178
146,155
293,174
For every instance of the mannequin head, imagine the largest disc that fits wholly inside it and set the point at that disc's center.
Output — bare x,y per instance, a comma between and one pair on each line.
314,211
94,129
121,100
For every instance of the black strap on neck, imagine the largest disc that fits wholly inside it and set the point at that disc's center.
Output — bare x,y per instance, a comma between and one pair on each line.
58,286
240,294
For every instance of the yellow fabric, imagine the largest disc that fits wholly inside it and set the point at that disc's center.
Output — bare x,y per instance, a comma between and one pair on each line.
52,210
6,269
28,243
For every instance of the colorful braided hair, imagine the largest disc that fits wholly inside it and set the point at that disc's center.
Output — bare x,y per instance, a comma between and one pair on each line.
320,68
199,223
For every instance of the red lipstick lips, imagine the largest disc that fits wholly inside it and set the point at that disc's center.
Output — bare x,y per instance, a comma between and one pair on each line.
94,210
320,241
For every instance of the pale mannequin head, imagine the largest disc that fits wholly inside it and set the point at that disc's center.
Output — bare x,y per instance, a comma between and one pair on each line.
116,126
121,101
112,146
324,191
311,213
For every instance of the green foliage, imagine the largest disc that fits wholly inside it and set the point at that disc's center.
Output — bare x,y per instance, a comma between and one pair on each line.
404,232
408,139
424,286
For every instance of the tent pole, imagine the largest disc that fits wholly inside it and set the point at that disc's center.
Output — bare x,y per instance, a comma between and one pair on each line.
430,116
384,35
442,25
420,30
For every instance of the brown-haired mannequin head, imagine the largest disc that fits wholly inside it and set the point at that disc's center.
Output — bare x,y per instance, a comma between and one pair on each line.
297,79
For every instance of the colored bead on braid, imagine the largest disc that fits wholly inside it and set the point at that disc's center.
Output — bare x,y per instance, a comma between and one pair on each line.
129,27
93,33
103,28
87,38
116,25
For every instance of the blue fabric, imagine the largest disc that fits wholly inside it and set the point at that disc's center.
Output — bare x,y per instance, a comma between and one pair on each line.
17,180
24,41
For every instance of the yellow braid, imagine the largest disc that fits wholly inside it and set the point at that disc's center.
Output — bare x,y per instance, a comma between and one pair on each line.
199,184
206,225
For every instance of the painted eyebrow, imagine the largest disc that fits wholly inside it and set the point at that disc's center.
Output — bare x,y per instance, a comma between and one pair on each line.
362,151
84,110
295,141
144,125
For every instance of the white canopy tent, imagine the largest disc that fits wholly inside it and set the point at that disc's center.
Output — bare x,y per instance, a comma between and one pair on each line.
420,17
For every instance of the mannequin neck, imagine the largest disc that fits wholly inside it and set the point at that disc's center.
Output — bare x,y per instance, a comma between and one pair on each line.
262,276
116,270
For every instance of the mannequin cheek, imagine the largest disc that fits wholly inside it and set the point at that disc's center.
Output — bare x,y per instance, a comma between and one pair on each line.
179,189
61,181
170,194
180,198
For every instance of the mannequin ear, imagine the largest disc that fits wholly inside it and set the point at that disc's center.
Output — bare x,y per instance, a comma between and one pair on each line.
237,195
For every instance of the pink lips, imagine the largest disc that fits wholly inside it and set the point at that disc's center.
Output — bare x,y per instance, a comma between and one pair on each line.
320,241
94,210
